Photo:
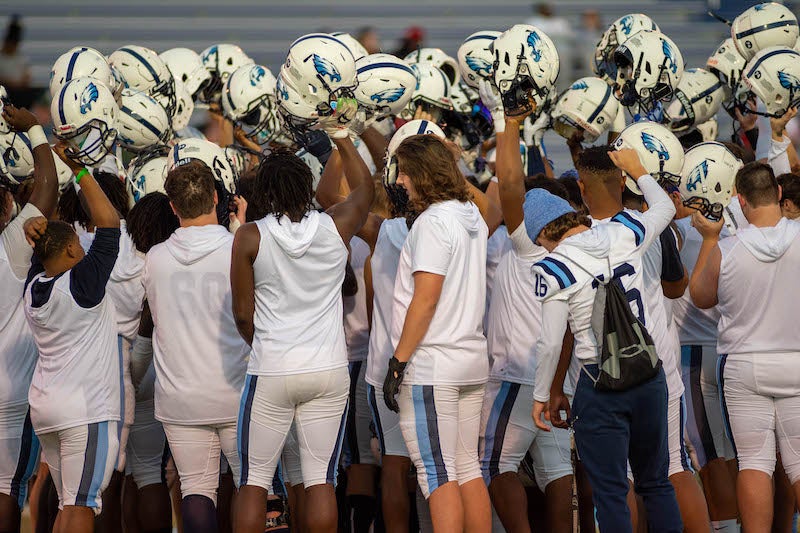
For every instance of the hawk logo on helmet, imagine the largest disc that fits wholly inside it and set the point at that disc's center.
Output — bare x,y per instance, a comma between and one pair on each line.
88,96
388,95
789,81
11,156
697,176
669,53
654,146
579,85
282,90
627,24
210,52
760,7
256,73
326,68
478,65
533,42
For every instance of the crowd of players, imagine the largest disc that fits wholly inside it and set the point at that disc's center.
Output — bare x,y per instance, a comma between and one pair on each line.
376,275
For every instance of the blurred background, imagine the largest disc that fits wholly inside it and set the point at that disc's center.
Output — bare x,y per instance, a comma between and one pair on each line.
38,31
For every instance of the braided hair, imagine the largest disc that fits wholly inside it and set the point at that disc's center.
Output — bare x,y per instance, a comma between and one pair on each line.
283,184
151,221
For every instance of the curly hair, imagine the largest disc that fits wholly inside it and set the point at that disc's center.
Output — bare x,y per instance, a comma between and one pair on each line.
71,208
151,221
555,230
283,185
55,238
433,171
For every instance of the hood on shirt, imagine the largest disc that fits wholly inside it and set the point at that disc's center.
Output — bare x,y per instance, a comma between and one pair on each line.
595,242
190,245
769,244
466,213
294,238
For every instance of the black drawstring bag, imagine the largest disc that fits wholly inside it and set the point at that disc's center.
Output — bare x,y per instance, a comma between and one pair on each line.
628,356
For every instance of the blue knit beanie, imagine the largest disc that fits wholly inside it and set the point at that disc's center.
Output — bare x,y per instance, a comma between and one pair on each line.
541,208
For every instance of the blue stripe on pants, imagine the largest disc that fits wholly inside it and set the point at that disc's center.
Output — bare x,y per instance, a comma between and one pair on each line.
88,466
243,426
28,457
100,461
500,428
333,470
699,428
376,419
726,420
427,429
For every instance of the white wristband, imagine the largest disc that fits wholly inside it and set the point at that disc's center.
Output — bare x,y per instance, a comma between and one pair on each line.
36,136
494,179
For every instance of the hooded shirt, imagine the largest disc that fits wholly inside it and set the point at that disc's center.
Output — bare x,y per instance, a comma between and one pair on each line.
757,290
447,239
298,318
199,356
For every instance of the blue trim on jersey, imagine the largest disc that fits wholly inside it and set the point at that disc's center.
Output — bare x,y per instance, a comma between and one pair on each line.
143,121
386,64
726,419
558,270
333,463
243,426
147,65
632,224
427,426
27,462
376,418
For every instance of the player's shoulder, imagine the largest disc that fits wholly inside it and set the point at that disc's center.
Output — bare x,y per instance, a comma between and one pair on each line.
628,223
552,275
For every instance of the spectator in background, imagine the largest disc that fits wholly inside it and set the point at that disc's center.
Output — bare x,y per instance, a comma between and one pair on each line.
368,37
413,39
591,30
560,31
14,70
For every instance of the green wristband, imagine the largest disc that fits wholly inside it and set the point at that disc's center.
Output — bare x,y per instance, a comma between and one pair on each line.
81,174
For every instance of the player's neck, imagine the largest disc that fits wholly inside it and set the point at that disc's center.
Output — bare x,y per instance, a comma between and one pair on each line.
764,216
604,208
208,219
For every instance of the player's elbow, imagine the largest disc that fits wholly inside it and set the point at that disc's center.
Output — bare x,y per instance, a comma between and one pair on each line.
702,297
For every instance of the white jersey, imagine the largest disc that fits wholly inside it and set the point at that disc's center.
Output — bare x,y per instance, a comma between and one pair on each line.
17,348
448,239
298,320
496,248
383,266
356,324
758,290
77,376
198,354
696,327
515,315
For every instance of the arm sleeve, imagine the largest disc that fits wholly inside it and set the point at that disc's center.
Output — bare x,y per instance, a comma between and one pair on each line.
778,159
18,251
523,245
431,248
141,357
88,278
660,209
548,348
671,265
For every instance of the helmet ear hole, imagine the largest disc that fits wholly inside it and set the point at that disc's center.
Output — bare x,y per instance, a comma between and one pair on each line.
718,187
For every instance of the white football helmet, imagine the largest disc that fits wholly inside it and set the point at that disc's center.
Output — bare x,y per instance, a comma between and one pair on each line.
526,66
141,69
697,99
432,89
764,26
588,105
773,75
649,67
385,84
727,64
249,100
709,129
294,111
436,57
184,107
17,156
187,68
142,122
617,33
356,48
221,60
4,126
475,58
187,150
85,114
397,194
708,177
147,173
77,62
659,150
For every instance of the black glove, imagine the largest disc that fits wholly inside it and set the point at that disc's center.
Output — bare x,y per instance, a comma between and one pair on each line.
391,384
316,143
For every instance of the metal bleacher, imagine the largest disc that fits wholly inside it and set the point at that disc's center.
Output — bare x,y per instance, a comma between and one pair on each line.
264,28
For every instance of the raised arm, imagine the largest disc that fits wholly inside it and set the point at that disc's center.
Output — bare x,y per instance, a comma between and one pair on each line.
350,214
101,210
327,194
376,144
510,175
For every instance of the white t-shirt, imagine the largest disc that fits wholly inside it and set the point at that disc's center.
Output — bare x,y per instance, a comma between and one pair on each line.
448,239
298,320
356,324
199,356
383,263
496,248
515,315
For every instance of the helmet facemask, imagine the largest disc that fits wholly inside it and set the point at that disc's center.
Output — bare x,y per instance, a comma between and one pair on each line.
627,76
97,149
260,124
711,211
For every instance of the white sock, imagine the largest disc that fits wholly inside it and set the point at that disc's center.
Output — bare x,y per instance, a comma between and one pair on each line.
725,526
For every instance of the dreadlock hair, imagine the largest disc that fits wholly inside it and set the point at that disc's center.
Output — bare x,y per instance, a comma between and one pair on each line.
283,185
71,207
54,240
151,221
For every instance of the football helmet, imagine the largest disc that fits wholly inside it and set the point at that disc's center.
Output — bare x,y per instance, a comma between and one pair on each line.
85,114
618,32
142,122
17,156
587,105
142,70
356,48
436,57
385,84
525,67
147,173
184,107
77,62
659,150
697,99
708,175
187,150
764,26
469,123
4,126
727,64
475,59
773,75
294,111
249,100
221,60
432,89
649,67
187,68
